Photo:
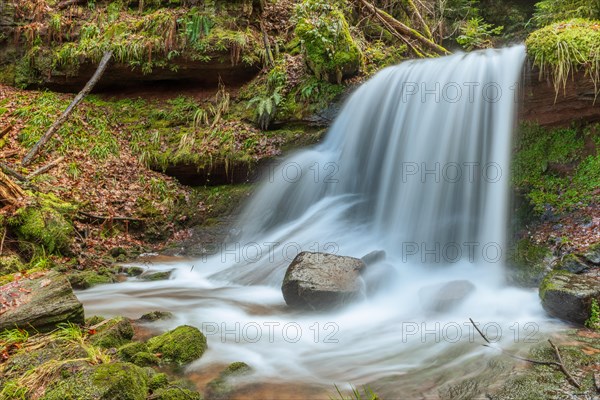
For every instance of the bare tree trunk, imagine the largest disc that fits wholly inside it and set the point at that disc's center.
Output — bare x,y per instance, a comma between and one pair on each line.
61,120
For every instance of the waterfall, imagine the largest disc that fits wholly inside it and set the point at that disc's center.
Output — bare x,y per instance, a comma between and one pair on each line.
416,164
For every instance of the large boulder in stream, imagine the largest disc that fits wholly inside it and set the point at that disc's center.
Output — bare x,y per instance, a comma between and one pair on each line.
569,296
39,303
320,281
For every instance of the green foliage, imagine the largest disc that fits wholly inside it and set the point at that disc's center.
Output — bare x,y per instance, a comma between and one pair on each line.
477,34
329,49
565,47
44,224
537,150
367,394
87,129
549,11
593,322
265,107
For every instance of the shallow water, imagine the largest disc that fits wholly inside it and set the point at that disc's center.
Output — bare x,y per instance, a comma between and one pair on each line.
417,164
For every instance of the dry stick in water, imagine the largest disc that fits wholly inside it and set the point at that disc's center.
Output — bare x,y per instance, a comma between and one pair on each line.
559,364
80,96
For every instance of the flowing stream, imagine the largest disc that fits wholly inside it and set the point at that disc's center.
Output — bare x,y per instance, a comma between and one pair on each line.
417,165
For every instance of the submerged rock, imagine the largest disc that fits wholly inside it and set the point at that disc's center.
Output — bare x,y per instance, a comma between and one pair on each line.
156,276
318,281
222,387
445,296
156,316
182,345
569,296
39,304
373,257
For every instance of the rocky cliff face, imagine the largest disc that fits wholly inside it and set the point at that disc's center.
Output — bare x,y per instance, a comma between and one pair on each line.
543,105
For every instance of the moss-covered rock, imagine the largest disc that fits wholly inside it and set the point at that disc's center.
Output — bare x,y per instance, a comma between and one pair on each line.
129,350
10,264
329,49
45,302
221,387
156,276
528,263
176,393
572,263
45,226
182,345
569,296
156,316
133,271
116,381
566,46
593,253
87,279
157,381
114,333
145,359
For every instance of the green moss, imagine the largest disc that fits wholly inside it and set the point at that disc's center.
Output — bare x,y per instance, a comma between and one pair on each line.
528,262
572,263
145,359
129,350
221,387
156,315
329,49
159,380
87,279
565,47
182,345
156,276
113,334
176,393
549,283
10,264
122,381
541,154
43,225
93,320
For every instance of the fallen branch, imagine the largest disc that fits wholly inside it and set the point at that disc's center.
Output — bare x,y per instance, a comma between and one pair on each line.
103,218
46,167
9,171
558,364
9,153
402,29
67,3
5,130
267,44
58,123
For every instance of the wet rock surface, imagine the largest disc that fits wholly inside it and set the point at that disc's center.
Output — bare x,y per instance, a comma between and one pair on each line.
39,303
318,281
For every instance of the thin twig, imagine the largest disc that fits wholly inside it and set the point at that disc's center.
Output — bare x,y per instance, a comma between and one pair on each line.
480,333
103,218
562,366
2,244
558,364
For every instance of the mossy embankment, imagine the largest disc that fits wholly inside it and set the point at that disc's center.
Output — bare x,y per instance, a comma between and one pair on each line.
101,360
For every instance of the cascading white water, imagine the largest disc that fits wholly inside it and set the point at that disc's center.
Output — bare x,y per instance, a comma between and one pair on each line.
416,164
